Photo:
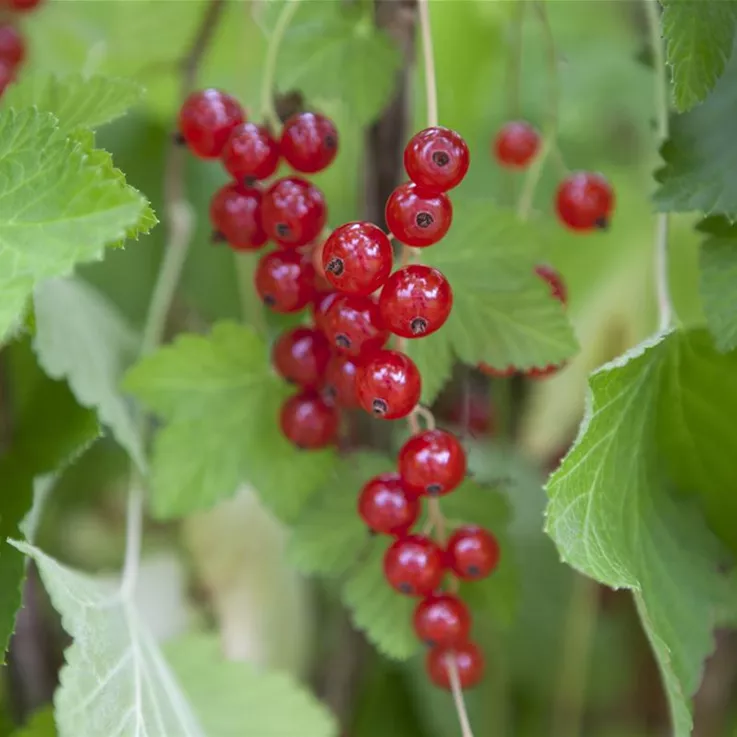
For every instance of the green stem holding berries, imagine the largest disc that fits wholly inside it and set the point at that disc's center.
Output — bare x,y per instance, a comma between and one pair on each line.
665,304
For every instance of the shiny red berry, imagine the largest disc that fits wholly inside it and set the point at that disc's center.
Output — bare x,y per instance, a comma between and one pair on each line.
235,213
353,325
516,144
339,385
357,258
385,506
12,45
585,201
207,119
308,421
22,6
496,373
472,552
416,217
442,620
250,153
414,565
436,159
432,462
293,212
320,305
388,385
415,301
301,356
468,660
309,142
285,281
555,280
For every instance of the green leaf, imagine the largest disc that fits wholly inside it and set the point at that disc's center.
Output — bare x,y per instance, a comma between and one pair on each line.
333,53
503,313
58,207
701,155
221,400
50,429
718,261
41,724
657,418
82,338
238,700
76,101
699,43
330,539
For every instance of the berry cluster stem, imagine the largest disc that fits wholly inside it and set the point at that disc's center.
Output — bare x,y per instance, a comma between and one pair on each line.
179,223
428,57
665,305
268,113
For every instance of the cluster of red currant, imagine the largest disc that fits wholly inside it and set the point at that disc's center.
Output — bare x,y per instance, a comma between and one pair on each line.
12,43
584,200
431,464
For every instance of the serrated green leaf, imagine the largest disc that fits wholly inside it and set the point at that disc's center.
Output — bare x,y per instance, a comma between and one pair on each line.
502,313
718,276
50,428
700,156
331,52
329,536
221,400
699,43
80,337
330,539
57,208
76,101
611,512
41,724
237,700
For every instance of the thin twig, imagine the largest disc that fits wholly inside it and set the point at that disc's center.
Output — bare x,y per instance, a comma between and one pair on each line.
428,57
665,304
514,60
272,54
179,223
549,142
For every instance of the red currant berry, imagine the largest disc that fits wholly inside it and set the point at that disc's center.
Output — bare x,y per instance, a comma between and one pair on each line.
301,356
415,301
545,372
339,386
207,119
235,212
294,212
472,552
496,373
516,144
585,201
357,258
285,281
442,620
414,565
308,421
469,664
320,306
436,159
22,6
388,385
250,153
416,217
432,462
12,45
309,142
385,507
353,325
